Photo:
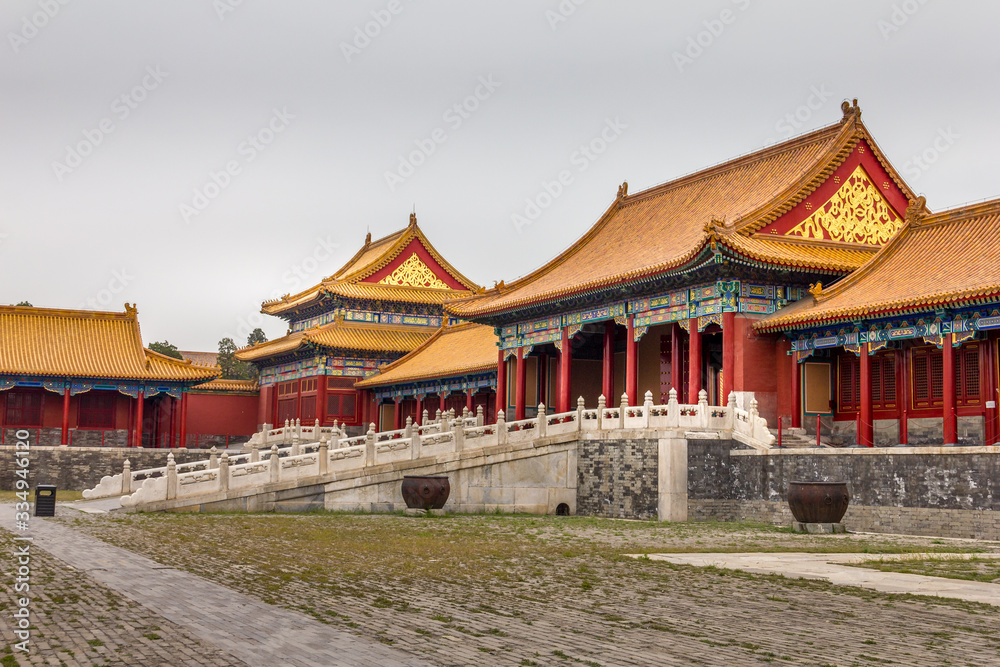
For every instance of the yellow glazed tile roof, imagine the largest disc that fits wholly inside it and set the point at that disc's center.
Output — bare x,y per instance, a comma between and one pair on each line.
451,351
82,343
935,260
669,225
372,257
342,335
223,385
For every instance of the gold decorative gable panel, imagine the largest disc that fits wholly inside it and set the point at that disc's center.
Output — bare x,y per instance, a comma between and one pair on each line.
856,213
414,273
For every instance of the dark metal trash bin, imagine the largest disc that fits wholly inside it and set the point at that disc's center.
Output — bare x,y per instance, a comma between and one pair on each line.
45,500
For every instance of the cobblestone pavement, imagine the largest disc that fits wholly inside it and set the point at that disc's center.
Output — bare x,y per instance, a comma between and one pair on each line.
541,598
77,621
240,630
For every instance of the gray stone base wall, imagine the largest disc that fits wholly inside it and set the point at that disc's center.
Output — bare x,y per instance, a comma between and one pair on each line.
78,468
922,431
618,478
980,525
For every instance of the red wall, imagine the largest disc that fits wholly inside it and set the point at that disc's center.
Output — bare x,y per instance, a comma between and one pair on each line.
760,367
222,414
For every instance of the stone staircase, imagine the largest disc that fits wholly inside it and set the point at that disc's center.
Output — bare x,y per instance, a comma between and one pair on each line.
312,467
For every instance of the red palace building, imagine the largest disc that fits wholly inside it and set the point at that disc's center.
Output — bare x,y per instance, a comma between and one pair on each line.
384,303
664,291
76,377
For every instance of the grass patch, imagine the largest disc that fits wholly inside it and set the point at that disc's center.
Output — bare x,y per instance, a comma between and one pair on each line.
972,568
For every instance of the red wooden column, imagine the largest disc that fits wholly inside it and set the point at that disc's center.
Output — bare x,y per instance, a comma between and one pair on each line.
501,384
171,429
631,364
419,416
397,413
694,361
902,360
468,400
65,419
866,428
519,386
796,391
138,420
565,364
184,419
542,366
262,404
321,399
948,391
608,362
444,401
728,356
676,363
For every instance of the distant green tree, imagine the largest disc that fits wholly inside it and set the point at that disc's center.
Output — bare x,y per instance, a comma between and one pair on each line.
256,336
233,368
25,303
166,349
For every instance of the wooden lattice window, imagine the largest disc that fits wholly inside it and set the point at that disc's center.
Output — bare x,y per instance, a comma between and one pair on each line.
967,375
308,386
848,383
288,401
24,408
341,405
928,375
96,410
884,381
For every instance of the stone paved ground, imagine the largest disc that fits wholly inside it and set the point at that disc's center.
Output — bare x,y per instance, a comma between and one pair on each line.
79,622
259,634
550,591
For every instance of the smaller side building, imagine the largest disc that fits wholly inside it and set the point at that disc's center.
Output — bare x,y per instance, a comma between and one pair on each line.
456,368
77,377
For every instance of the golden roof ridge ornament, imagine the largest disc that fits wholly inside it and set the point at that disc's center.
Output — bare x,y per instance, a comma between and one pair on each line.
623,190
916,211
130,310
817,292
851,111
413,218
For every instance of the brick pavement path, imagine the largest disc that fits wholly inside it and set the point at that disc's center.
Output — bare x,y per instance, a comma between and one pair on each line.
240,626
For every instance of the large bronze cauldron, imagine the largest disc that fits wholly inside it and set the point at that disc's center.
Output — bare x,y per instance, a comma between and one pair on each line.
425,493
818,502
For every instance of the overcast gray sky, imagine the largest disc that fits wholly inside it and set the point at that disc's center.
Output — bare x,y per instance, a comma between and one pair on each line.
198,157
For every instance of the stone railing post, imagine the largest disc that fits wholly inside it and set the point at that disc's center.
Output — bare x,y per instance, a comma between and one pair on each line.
673,409
275,464
622,410
459,427
324,456
465,412
296,444
540,421
731,412
408,429
501,428
479,415
213,458
126,477
285,432
753,414
437,416
298,428
580,407
415,452
171,477
224,472
370,445
703,408
426,417
647,407
602,405
254,455
263,434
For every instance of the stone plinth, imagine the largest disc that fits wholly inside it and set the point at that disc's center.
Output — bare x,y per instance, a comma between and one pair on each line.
818,528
